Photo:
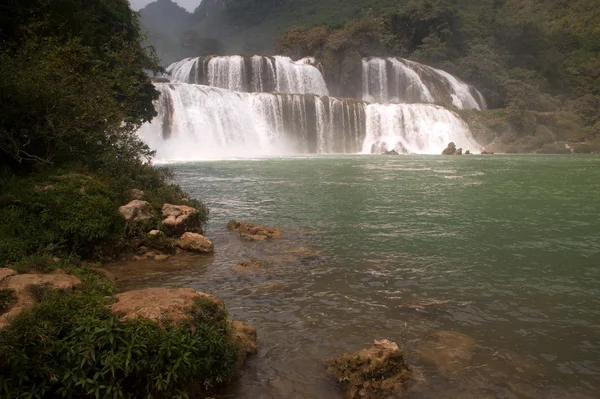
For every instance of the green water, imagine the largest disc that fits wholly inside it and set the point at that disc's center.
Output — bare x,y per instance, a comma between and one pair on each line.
504,249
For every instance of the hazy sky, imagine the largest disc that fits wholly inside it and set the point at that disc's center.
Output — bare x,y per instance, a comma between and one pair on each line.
189,5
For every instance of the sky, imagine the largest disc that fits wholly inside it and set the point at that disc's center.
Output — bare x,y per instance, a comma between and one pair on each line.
189,5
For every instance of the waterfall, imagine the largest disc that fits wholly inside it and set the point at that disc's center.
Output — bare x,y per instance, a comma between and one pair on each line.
201,122
251,74
414,128
197,122
396,80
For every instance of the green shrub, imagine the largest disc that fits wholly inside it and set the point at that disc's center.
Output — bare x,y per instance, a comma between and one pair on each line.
70,345
7,297
582,149
554,149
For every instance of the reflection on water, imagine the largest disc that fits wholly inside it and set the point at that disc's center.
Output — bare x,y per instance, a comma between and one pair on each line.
490,281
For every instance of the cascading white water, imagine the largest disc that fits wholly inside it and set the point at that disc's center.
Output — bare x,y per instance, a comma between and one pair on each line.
251,74
197,122
396,80
414,128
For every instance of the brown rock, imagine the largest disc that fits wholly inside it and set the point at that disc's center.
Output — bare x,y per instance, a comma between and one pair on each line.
244,338
104,273
253,266
249,231
5,273
374,373
20,284
195,243
178,219
136,194
154,233
137,210
161,257
450,351
160,305
450,150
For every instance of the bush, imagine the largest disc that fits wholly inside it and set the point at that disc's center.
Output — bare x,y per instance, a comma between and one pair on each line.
554,149
7,297
71,345
582,149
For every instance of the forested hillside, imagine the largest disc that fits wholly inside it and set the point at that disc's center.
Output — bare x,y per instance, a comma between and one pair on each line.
537,62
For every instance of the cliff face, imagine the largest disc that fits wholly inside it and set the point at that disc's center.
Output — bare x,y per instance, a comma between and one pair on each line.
209,8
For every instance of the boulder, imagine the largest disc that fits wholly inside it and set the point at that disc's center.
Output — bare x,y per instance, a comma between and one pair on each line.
244,338
467,152
195,243
458,151
5,273
450,351
378,372
253,266
390,152
20,283
450,150
155,233
486,153
249,231
179,219
160,305
136,211
136,194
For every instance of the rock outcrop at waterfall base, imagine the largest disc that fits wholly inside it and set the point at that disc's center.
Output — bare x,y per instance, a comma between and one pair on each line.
251,232
377,372
452,150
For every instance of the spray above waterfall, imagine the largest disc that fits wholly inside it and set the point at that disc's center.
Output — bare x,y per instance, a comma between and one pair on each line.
254,106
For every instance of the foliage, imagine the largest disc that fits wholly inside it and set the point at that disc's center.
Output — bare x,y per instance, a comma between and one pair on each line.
7,297
70,344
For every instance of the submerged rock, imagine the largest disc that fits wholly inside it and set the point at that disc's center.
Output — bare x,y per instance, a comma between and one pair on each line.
253,266
21,283
195,242
378,372
390,152
179,219
136,211
244,338
251,232
450,351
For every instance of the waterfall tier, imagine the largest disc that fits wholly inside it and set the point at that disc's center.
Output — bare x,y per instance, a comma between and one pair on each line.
200,122
251,74
396,80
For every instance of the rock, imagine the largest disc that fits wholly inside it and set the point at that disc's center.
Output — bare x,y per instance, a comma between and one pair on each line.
244,337
253,266
161,257
195,243
155,233
20,283
391,152
450,150
136,211
251,232
450,351
104,273
5,273
467,152
160,305
179,219
268,287
458,151
374,373
486,153
136,194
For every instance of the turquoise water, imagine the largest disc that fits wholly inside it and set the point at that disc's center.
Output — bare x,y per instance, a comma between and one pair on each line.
503,249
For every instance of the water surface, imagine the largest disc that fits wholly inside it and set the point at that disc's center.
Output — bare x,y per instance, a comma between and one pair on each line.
504,249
